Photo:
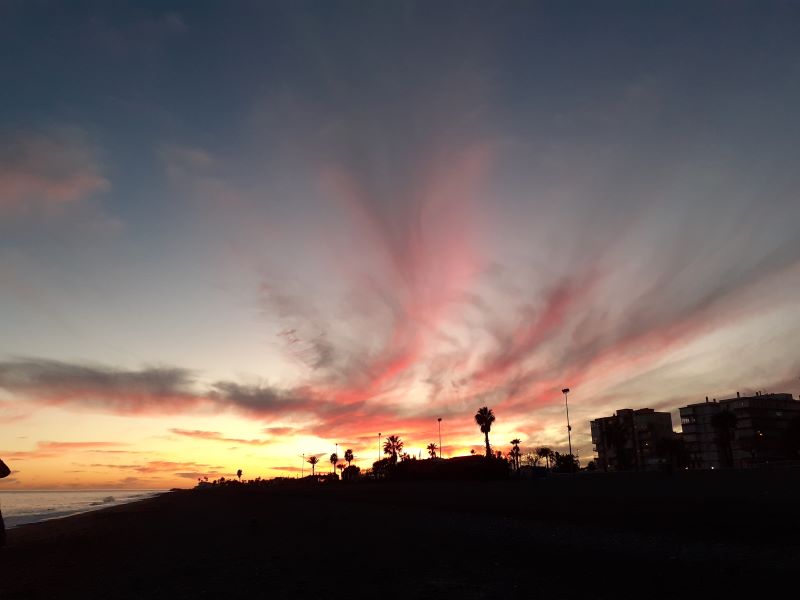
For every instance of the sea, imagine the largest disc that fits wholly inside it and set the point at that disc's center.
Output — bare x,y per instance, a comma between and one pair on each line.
22,507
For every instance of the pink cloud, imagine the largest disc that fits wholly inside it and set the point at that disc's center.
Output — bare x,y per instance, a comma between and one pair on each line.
51,449
425,257
218,437
45,172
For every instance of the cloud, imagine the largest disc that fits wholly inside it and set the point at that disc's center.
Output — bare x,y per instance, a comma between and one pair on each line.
196,172
150,390
195,474
217,436
76,445
51,449
291,469
10,413
160,466
47,171
261,399
278,431
180,161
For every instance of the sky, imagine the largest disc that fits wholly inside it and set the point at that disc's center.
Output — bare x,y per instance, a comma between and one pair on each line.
233,234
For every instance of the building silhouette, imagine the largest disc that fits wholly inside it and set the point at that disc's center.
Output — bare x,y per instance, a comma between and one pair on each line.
632,440
757,430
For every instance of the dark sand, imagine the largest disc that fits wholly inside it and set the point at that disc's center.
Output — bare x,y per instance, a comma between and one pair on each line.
588,536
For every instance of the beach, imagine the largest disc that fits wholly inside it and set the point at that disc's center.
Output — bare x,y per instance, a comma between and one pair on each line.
587,536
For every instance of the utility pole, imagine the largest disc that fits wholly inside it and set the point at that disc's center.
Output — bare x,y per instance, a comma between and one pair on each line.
565,391
441,454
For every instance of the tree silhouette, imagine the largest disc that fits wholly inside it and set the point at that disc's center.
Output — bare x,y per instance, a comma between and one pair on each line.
724,423
565,463
341,469
484,418
334,459
393,446
239,475
532,459
351,473
432,450
515,453
313,460
348,456
546,454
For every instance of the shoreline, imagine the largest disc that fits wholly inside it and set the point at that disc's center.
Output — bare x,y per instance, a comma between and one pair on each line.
14,520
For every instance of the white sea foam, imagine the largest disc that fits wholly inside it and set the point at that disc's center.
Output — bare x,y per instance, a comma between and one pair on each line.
21,507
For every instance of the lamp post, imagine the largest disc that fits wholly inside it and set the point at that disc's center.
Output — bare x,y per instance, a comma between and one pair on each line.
379,446
440,437
303,466
565,391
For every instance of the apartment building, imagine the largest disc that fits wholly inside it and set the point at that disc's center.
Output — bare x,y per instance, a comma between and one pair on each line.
754,433
632,439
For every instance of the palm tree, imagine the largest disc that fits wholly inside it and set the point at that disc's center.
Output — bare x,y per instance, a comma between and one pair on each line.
313,460
393,446
348,456
239,475
546,454
341,468
334,459
515,453
432,450
484,418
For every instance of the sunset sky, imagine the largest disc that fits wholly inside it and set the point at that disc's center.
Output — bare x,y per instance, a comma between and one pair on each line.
233,233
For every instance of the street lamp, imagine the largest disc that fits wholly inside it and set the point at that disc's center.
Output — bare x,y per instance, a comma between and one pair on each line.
565,391
440,437
379,446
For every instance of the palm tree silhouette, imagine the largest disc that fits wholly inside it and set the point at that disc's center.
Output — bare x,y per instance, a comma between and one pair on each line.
515,453
239,475
393,446
348,456
334,459
432,450
341,468
545,453
313,460
484,418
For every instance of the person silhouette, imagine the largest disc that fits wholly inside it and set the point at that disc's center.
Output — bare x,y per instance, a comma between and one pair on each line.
4,472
